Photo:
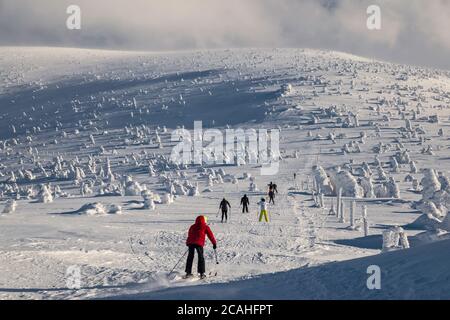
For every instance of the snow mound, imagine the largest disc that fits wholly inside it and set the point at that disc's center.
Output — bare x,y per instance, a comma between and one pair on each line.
347,182
432,236
10,207
98,208
425,222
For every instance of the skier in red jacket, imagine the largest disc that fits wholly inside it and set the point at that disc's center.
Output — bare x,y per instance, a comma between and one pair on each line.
196,241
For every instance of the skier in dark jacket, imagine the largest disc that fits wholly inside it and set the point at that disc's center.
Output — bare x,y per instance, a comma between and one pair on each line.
245,202
224,205
272,190
272,187
196,241
272,196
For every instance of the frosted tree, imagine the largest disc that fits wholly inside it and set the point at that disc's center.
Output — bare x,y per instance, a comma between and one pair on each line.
10,207
148,201
194,191
210,182
394,239
85,189
253,187
151,170
394,165
45,195
167,198
393,189
413,167
133,188
347,182
322,181
430,184
108,172
12,177
180,190
368,187
444,181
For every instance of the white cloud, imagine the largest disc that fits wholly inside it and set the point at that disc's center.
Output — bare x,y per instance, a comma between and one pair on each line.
413,31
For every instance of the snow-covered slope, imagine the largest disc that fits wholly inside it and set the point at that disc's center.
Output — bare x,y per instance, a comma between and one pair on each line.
85,180
418,273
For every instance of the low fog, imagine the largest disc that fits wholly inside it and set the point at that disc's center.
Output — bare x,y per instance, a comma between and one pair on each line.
413,31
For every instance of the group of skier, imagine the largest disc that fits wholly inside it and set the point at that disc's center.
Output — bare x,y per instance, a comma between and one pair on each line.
245,202
200,230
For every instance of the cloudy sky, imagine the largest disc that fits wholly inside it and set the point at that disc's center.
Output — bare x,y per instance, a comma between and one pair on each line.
413,31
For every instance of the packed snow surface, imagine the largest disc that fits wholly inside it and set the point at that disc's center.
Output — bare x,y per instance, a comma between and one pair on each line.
86,183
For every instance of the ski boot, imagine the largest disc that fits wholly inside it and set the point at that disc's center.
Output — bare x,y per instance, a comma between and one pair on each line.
202,276
188,276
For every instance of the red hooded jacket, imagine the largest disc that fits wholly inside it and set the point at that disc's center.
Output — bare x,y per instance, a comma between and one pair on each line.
198,231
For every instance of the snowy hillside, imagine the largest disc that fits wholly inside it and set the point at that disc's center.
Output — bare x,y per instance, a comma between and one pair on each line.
86,179
405,275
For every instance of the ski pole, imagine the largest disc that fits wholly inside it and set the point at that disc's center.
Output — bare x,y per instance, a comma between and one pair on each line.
178,262
215,253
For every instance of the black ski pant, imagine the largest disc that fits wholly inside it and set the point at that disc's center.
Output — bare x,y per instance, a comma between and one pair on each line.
225,214
272,199
245,208
190,259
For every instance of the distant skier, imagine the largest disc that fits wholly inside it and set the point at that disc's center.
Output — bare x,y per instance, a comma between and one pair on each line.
263,210
224,205
245,202
272,187
196,242
271,196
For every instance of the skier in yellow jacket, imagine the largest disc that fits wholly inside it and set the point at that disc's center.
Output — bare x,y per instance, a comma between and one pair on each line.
263,210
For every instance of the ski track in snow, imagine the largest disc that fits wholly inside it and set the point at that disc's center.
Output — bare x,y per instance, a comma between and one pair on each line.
92,91
246,248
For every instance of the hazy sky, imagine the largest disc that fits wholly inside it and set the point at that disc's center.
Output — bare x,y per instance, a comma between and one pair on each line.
413,31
